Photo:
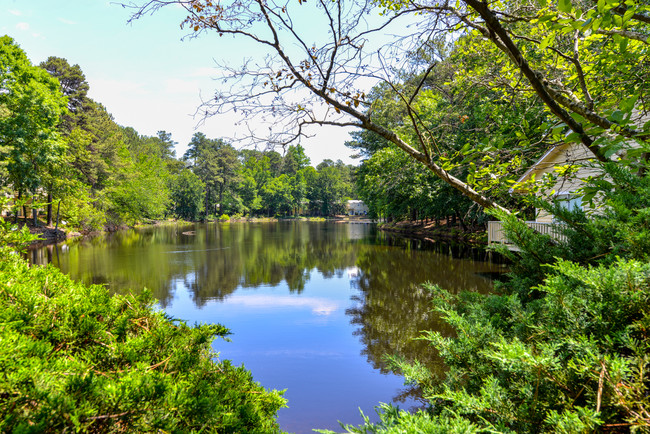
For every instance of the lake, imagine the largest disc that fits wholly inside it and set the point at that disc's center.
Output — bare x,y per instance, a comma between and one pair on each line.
314,307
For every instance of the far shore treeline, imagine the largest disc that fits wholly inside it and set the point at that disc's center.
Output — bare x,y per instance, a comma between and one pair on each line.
67,153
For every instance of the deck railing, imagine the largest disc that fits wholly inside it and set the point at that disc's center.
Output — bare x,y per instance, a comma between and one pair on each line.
497,235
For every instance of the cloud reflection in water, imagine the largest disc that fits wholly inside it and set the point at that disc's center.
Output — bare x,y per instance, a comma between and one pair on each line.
319,306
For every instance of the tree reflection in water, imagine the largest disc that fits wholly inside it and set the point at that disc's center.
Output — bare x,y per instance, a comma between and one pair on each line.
389,311
393,308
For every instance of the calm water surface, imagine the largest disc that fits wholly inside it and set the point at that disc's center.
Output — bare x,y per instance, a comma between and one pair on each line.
313,306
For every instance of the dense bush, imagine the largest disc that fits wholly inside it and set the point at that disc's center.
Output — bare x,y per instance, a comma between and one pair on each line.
73,357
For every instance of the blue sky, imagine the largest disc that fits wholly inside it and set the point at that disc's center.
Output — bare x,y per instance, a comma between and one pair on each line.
145,73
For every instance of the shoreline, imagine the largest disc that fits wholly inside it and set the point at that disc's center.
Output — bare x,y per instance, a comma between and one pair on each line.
474,236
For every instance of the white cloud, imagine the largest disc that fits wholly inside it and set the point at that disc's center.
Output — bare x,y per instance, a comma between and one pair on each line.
69,22
15,12
22,26
205,71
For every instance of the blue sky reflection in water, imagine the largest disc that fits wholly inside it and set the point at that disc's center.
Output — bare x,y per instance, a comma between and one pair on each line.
313,306
301,342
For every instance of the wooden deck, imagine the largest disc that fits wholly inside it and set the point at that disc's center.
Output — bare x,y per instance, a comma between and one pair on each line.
496,234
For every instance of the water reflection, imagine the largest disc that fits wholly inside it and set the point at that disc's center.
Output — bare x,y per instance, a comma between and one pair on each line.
314,307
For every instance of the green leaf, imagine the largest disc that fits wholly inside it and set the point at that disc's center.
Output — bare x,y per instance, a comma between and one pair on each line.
623,44
596,24
547,40
628,104
627,15
617,116
564,6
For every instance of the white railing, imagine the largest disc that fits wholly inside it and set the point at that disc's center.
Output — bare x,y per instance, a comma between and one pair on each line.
496,234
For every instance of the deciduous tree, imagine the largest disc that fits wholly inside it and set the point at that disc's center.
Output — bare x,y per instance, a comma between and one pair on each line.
31,106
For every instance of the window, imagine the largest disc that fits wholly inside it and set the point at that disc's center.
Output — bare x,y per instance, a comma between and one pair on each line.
569,201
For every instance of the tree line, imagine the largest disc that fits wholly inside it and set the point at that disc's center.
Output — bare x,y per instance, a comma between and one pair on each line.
61,149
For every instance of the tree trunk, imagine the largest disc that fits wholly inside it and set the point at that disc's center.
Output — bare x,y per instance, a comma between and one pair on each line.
221,187
58,207
445,176
553,100
49,208
17,208
207,203
462,223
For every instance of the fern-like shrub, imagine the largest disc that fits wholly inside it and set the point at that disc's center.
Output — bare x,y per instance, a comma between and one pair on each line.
75,358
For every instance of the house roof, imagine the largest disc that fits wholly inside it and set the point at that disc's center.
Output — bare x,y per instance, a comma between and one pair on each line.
579,151
564,153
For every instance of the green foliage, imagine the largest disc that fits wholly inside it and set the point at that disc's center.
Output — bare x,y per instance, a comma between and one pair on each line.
30,108
563,344
187,193
72,79
141,193
12,240
78,210
573,360
75,357
329,187
102,173
395,421
483,136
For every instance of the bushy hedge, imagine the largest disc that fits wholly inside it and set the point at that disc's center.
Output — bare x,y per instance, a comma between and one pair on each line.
75,358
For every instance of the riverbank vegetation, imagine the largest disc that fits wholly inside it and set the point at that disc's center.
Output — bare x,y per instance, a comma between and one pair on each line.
75,357
561,346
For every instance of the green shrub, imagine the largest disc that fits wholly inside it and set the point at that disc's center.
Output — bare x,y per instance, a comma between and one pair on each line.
224,218
73,357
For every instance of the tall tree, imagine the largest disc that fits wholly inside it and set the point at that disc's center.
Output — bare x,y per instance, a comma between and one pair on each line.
217,165
294,160
72,79
167,145
187,194
31,105
198,141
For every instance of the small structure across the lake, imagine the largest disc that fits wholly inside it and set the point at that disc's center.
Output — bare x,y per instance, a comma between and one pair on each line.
356,207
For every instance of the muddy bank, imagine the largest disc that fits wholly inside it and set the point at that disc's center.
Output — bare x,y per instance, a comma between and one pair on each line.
49,235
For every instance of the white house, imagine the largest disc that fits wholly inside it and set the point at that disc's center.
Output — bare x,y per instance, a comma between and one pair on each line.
356,207
577,157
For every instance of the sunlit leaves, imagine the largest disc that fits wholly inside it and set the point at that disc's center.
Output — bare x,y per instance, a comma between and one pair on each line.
32,105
